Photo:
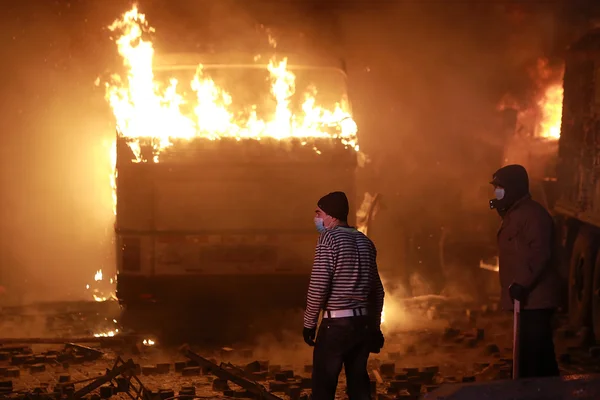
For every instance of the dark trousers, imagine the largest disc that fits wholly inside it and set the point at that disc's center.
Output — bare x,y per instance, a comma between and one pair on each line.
537,357
341,342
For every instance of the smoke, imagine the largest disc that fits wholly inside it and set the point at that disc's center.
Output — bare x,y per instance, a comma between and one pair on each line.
425,81
57,218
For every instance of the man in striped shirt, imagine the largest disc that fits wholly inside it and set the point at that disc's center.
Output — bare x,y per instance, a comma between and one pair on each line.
345,284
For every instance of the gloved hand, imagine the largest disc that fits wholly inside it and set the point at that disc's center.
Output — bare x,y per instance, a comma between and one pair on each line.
517,292
309,335
376,341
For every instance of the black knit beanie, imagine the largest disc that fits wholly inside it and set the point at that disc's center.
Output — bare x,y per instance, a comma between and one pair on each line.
335,204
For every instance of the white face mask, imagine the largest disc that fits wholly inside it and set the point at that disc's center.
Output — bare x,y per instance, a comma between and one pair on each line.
499,192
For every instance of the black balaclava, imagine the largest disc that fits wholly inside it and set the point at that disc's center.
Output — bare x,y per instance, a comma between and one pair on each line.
513,178
335,204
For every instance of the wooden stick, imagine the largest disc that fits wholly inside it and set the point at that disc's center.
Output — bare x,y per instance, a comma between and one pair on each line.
516,333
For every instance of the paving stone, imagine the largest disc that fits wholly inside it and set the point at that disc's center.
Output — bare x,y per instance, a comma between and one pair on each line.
166,394
432,368
277,386
480,334
19,359
149,370
163,368
180,365
36,368
191,371
306,383
226,353
451,333
281,377
293,392
252,367
387,369
308,369
260,376
246,353
288,373
492,348
4,356
412,371
274,368
106,392
122,384
220,385
13,373
426,376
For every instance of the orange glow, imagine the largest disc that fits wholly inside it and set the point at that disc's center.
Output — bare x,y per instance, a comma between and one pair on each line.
550,106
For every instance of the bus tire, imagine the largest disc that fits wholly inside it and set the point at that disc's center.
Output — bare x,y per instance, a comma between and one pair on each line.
581,269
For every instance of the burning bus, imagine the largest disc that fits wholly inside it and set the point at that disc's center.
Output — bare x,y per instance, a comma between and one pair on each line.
219,161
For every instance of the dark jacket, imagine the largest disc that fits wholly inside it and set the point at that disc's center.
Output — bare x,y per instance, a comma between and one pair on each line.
525,245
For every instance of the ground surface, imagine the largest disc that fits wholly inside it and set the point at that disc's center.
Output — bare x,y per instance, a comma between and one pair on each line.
430,341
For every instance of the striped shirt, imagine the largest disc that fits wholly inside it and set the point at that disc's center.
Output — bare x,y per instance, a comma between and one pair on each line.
344,275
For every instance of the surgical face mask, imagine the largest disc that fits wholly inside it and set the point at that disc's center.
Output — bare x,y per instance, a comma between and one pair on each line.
320,225
499,193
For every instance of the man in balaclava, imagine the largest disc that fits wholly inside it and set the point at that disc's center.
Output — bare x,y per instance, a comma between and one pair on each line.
346,286
527,273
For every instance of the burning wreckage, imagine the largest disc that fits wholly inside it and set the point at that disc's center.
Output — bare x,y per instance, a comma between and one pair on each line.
216,165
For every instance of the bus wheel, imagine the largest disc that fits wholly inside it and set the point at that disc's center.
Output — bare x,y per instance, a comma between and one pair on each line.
581,269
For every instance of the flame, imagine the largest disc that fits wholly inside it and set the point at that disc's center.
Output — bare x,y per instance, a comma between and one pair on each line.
98,294
145,113
107,333
551,112
148,342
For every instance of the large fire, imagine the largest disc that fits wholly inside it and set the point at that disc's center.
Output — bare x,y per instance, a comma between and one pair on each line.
145,112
